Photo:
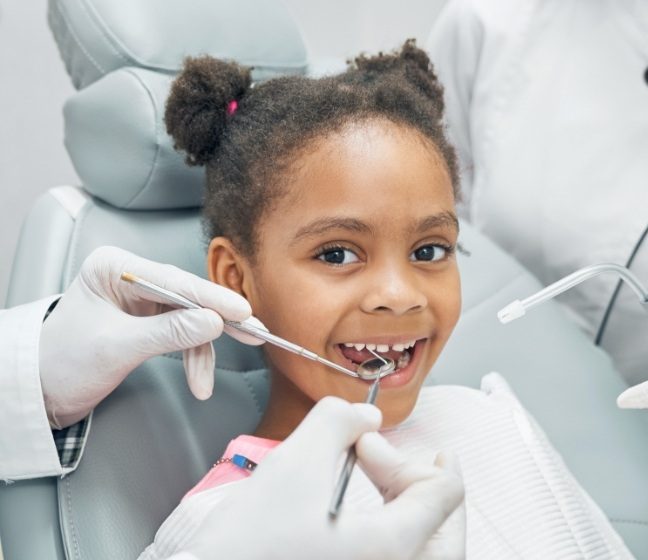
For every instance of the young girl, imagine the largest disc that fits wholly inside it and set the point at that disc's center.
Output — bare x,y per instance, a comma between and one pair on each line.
330,206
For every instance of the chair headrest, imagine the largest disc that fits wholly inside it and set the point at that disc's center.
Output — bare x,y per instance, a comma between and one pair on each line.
96,37
117,141
123,56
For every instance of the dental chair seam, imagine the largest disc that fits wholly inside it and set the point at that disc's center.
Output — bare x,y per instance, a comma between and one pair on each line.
71,268
71,198
72,525
100,25
155,159
75,37
130,58
255,396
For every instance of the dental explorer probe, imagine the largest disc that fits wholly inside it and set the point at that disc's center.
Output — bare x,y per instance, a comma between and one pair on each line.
368,367
517,308
181,301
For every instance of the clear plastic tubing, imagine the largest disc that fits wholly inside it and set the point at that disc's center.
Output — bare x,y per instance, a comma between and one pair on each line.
518,308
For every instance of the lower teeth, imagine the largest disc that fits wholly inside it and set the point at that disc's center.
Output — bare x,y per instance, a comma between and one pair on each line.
403,361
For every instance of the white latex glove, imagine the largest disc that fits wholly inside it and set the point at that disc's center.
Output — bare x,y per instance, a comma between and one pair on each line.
102,328
634,397
393,472
282,510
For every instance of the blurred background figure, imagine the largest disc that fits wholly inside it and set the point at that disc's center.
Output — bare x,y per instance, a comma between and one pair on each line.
547,103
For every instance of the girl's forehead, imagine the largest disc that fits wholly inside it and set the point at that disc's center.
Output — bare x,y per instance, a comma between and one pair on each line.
374,168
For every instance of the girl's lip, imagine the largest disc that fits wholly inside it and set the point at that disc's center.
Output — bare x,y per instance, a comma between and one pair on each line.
397,379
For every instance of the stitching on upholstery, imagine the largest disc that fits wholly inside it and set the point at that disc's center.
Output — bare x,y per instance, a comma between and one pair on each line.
147,182
68,503
72,32
70,266
103,29
128,56
255,395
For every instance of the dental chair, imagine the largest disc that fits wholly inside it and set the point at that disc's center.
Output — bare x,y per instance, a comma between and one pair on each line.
150,440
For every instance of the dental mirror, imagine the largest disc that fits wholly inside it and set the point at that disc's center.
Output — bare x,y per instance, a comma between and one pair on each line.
375,368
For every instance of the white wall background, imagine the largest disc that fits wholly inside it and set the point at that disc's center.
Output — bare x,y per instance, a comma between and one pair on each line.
34,85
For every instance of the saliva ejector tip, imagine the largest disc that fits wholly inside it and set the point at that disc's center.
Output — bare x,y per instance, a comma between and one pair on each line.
512,311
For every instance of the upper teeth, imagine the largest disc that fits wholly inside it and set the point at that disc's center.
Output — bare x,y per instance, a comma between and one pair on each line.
399,346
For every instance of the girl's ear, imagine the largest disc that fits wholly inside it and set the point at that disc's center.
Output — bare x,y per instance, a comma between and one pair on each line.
226,266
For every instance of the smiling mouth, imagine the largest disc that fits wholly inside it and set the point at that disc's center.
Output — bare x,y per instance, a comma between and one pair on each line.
356,353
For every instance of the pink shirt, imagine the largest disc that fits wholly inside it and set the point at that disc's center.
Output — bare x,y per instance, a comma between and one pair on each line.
251,447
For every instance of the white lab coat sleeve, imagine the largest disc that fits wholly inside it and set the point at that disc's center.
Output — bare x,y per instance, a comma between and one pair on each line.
454,45
27,448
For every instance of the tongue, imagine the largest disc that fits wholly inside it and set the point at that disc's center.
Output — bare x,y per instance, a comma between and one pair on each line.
359,356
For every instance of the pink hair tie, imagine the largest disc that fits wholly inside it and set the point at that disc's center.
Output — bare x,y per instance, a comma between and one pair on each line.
232,106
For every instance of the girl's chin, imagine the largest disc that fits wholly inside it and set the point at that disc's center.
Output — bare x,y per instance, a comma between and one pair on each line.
393,416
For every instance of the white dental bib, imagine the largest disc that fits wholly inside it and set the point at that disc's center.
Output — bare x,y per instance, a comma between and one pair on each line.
521,500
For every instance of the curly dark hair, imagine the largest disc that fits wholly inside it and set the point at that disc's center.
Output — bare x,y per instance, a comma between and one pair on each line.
248,146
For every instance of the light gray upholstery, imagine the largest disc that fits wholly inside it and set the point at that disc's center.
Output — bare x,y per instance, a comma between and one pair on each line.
150,440
120,118
96,37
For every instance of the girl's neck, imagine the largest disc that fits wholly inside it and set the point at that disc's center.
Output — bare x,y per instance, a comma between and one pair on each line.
287,407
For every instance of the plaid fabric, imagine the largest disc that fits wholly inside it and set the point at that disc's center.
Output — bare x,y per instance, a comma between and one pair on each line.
50,309
69,443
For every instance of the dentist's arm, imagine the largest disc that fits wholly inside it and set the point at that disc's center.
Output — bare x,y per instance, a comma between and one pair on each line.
53,373
103,328
281,511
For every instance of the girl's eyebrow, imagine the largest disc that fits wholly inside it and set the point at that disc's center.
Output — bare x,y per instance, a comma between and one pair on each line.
443,219
322,225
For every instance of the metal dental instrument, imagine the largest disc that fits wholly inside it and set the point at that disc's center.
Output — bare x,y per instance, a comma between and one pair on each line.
375,368
517,308
181,301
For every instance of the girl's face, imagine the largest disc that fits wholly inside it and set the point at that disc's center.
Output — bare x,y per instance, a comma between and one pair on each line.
358,253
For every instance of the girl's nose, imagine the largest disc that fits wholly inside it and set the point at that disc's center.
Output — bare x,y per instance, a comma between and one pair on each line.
393,290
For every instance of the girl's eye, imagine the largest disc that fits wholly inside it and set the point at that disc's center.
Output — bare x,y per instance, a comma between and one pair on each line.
338,255
430,253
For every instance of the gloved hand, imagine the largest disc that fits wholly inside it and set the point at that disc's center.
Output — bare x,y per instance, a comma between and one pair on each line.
102,328
282,510
634,397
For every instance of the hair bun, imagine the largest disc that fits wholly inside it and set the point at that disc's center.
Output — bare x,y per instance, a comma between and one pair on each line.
197,107
412,62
